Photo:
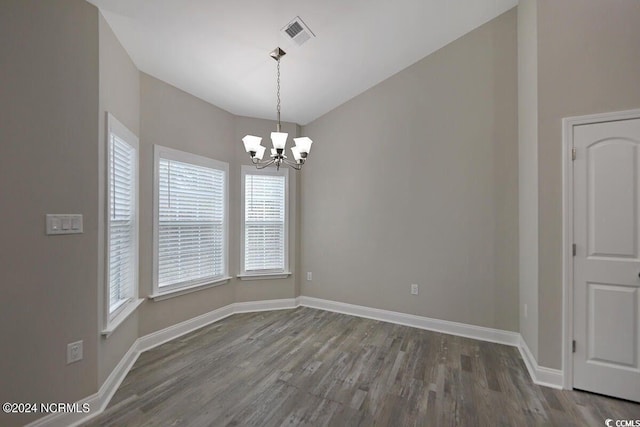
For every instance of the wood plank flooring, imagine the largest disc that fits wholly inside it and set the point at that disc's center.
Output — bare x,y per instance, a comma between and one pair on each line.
307,367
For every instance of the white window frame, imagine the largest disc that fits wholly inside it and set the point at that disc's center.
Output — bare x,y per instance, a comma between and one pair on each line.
267,274
186,287
128,306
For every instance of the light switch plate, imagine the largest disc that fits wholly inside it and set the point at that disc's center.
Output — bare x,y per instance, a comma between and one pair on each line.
64,224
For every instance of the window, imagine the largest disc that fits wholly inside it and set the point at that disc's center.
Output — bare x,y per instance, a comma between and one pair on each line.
190,221
122,218
265,222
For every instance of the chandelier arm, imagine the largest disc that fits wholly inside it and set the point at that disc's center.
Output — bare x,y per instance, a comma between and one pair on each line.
294,165
262,165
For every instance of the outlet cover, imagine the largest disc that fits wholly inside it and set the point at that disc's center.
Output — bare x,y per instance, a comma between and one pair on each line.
414,289
309,276
74,352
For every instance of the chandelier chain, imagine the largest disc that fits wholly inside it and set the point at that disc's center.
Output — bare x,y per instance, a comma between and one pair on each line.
278,91
277,158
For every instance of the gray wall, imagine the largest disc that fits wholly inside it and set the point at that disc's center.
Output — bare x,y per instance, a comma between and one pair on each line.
48,158
120,96
175,119
416,181
528,169
62,68
588,62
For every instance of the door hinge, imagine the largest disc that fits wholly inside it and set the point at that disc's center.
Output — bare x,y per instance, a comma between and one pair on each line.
573,154
574,249
573,346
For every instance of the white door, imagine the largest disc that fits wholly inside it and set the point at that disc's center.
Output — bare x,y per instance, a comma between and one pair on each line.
606,174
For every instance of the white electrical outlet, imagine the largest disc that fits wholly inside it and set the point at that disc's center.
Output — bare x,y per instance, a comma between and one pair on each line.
525,311
74,352
309,276
414,289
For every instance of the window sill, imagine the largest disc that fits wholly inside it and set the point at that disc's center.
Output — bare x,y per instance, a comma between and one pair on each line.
264,276
187,289
121,317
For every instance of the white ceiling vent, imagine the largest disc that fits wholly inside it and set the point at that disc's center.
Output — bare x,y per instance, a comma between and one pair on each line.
297,31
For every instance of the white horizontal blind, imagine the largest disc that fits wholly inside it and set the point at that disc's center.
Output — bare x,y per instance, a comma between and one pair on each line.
264,232
190,224
122,226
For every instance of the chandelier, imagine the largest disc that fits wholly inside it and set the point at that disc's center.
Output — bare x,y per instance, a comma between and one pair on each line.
279,139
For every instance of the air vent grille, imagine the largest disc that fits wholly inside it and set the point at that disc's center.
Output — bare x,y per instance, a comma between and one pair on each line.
294,29
297,31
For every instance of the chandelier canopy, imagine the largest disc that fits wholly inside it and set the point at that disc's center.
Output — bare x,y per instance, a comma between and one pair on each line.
256,150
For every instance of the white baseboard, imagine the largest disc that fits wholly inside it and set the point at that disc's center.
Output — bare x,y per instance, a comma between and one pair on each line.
99,401
447,327
539,374
157,338
267,305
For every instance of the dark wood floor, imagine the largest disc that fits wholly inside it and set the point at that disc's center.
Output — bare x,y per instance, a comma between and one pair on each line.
316,368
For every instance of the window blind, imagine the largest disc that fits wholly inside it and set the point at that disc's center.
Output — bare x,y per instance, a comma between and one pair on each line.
190,224
264,239
122,227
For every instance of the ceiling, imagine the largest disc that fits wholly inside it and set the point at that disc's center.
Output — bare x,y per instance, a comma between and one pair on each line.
218,50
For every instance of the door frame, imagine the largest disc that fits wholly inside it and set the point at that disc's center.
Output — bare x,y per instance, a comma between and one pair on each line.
568,123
